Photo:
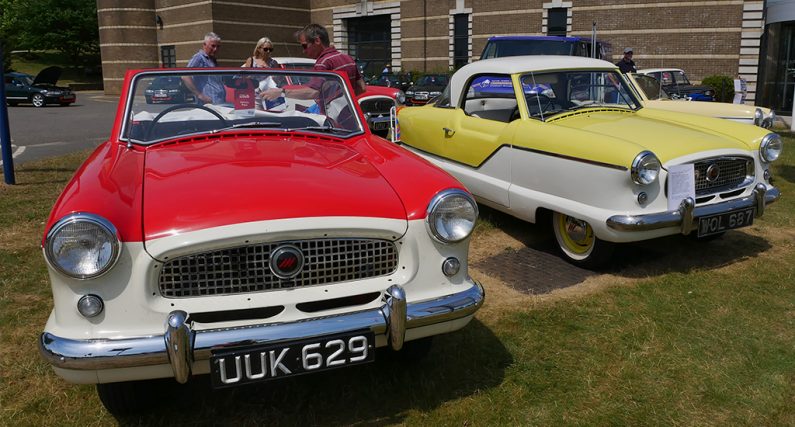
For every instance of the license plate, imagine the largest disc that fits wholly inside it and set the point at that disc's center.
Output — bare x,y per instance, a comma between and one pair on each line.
719,223
233,367
420,96
380,125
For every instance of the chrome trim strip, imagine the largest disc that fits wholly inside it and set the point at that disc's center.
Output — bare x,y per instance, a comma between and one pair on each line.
683,216
152,350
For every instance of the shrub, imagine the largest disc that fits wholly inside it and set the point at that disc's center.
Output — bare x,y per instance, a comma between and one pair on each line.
723,86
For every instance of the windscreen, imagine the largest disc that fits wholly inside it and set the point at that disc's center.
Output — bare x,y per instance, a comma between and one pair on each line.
551,93
165,105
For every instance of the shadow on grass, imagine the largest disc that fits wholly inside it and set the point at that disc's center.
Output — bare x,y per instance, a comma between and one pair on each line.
374,394
786,172
537,268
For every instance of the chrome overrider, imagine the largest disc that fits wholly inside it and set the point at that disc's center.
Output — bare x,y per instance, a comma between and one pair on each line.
685,216
181,346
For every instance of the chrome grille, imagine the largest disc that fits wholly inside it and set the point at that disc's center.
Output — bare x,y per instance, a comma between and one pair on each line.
245,268
377,106
734,173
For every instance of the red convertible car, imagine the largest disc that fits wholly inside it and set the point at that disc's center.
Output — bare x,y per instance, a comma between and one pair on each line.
249,240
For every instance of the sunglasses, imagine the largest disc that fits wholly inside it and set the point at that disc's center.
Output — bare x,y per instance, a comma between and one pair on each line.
267,49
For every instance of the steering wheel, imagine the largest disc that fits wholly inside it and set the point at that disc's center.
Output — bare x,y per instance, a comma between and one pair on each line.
179,107
534,99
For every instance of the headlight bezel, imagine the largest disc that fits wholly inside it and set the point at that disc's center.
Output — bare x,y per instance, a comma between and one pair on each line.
769,119
93,219
758,116
641,161
767,140
436,202
400,97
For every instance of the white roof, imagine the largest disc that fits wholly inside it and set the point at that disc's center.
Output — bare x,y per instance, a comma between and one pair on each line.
293,60
521,64
657,70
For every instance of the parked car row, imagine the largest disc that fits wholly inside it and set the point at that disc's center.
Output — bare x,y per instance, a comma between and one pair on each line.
257,243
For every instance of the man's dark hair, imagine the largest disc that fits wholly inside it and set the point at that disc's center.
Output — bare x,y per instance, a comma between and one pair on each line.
313,31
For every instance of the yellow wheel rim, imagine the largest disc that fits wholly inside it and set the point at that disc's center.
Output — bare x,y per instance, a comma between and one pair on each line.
576,235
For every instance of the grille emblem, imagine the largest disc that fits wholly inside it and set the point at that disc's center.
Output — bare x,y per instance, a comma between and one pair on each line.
286,261
713,172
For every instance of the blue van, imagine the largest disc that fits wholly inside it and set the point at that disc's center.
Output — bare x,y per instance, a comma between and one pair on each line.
501,46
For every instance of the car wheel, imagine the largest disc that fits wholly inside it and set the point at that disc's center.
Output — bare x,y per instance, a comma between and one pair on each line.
37,100
578,244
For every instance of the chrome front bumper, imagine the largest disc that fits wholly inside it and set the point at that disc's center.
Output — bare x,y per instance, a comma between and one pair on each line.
685,216
181,346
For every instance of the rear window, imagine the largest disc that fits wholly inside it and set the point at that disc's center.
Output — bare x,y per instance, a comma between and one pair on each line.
502,48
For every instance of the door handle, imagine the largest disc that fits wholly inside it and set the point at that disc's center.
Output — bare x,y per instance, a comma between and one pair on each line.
448,132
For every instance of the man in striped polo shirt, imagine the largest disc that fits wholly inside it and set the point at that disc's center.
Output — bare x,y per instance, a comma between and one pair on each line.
315,42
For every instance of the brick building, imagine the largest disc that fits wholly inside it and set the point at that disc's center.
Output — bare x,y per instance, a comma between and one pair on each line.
702,37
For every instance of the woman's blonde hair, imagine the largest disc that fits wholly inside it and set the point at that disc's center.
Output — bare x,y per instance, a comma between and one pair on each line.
261,43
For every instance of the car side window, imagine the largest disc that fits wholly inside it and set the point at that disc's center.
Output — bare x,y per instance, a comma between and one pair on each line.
667,78
491,97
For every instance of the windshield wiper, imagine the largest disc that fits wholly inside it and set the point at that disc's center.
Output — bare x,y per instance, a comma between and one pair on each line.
331,129
249,125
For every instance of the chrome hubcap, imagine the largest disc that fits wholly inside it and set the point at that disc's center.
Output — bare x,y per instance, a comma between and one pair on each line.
576,229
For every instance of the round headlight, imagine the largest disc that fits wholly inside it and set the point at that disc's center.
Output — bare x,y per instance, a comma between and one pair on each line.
758,116
645,168
769,119
401,97
451,216
770,148
82,246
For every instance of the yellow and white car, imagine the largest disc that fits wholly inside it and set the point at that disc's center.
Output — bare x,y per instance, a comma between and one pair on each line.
652,95
567,138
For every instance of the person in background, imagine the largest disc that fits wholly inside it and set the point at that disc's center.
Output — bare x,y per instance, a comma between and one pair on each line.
314,40
261,58
207,89
626,64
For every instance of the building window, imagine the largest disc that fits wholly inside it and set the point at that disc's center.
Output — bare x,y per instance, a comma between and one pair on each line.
556,21
370,43
460,40
168,56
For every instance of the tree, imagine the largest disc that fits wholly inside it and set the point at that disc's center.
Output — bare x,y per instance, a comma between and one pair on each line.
68,26
7,34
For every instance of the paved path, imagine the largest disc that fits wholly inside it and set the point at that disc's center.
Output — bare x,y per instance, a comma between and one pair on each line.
38,133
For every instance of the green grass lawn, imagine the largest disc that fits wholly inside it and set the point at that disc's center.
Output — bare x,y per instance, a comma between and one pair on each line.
708,345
